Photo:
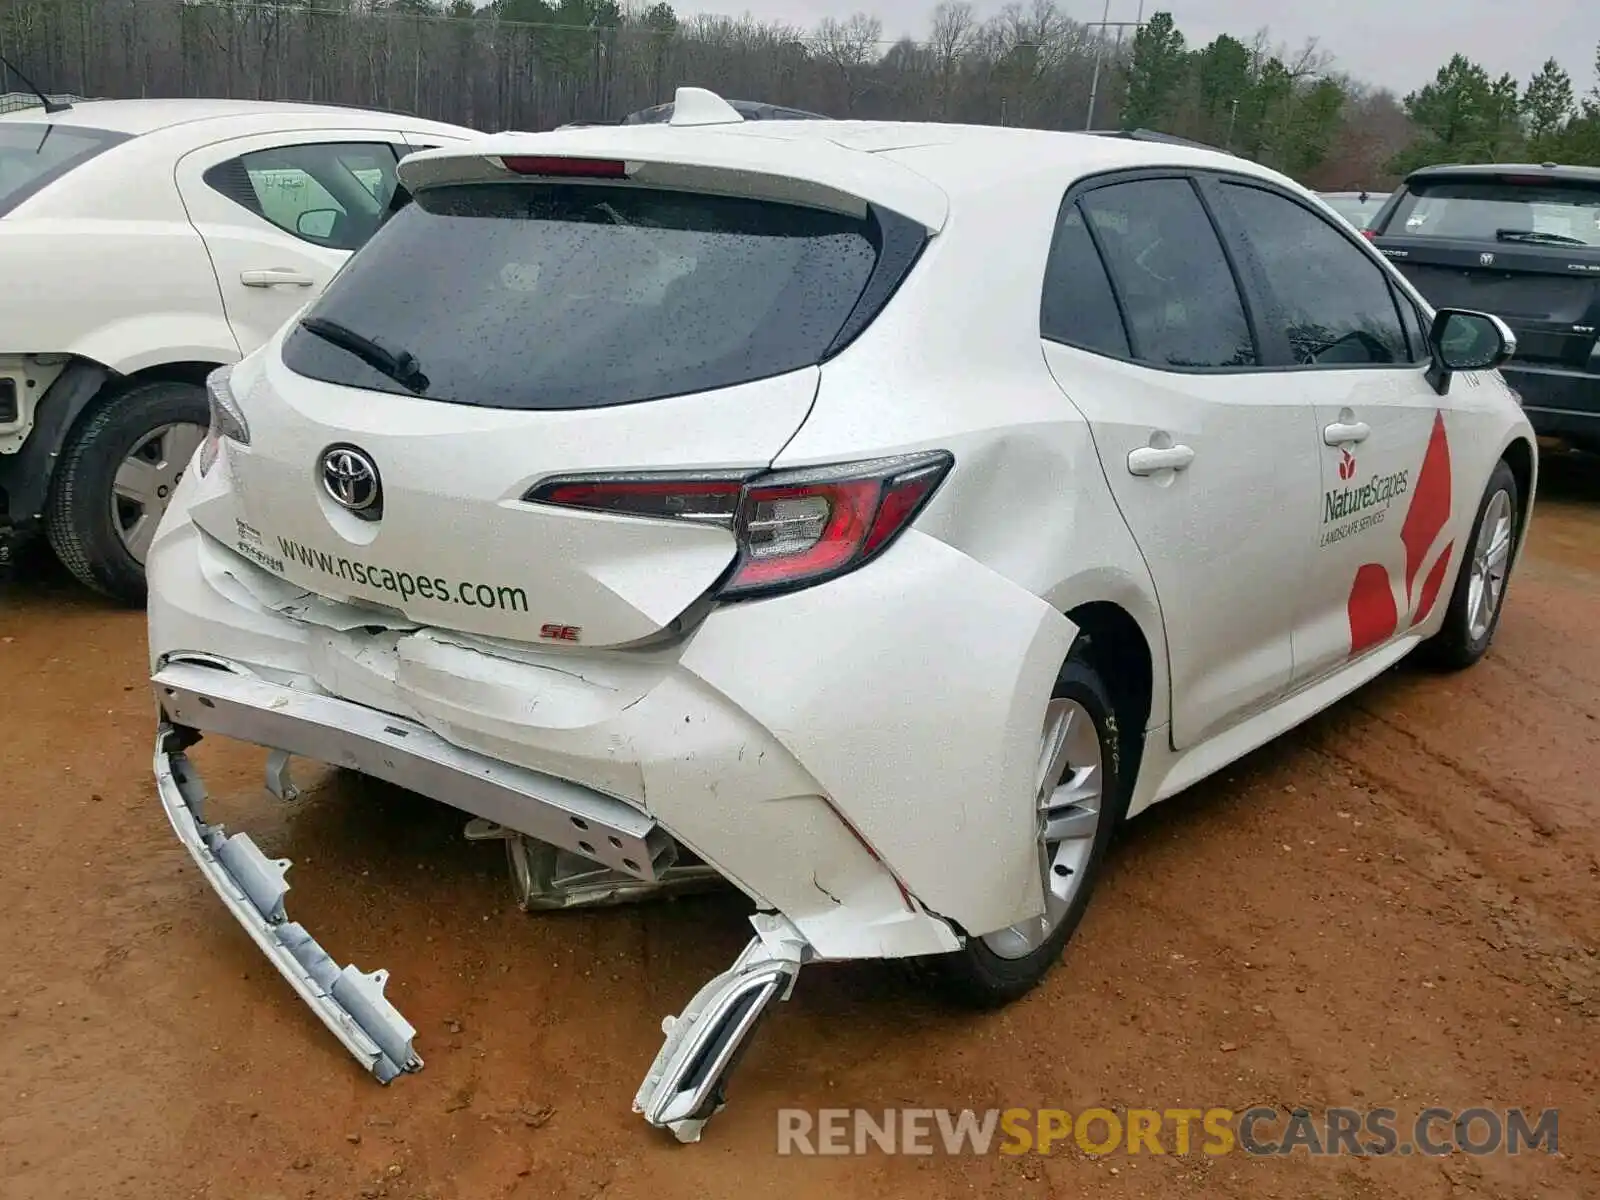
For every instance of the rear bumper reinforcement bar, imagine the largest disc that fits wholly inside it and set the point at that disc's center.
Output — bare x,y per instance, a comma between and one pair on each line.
406,754
253,887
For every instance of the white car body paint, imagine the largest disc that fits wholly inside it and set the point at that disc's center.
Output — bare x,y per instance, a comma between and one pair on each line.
859,755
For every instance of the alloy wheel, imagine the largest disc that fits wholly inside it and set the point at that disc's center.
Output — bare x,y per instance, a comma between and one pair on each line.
1071,782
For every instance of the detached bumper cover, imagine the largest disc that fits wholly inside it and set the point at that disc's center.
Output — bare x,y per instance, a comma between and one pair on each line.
253,887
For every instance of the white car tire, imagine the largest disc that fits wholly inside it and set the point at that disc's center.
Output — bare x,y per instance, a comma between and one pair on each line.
82,518
978,975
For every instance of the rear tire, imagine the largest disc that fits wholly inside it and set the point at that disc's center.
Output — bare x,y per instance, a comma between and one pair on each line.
98,526
980,976
1468,628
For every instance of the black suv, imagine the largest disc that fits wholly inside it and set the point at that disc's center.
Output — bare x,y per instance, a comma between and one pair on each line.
1522,242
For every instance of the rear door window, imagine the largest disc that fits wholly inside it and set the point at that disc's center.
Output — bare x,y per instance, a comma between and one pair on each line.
1079,308
329,194
561,296
1178,292
32,156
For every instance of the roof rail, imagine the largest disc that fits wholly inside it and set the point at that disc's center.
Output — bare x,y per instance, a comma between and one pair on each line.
1151,135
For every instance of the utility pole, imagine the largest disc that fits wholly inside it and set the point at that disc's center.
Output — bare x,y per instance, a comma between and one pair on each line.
1099,53
1104,24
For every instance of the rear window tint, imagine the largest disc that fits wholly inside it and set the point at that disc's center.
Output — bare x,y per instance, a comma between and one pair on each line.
1503,210
32,156
562,296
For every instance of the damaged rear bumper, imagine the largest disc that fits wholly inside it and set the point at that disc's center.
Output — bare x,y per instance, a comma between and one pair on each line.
253,887
686,1083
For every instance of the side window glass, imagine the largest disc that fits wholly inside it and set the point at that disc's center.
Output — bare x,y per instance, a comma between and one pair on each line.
1178,293
1331,301
1079,308
332,195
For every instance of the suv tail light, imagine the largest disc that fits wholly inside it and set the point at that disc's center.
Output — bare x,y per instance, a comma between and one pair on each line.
794,528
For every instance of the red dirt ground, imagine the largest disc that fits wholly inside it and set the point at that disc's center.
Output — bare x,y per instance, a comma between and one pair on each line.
1395,905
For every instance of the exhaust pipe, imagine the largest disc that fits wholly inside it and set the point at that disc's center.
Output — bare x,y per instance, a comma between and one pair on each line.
687,1083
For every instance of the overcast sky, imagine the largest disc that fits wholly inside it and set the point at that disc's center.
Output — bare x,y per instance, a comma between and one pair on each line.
1394,43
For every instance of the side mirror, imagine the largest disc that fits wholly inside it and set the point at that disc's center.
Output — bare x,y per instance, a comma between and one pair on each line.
1462,340
317,223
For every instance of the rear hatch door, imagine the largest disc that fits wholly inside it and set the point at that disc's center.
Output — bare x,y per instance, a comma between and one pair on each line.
1523,247
501,332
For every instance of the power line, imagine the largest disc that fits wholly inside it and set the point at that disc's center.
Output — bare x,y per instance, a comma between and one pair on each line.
632,29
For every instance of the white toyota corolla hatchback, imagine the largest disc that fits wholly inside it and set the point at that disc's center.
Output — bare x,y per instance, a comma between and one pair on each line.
870,515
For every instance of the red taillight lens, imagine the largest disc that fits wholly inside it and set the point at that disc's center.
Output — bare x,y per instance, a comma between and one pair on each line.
794,528
715,501
580,168
1369,235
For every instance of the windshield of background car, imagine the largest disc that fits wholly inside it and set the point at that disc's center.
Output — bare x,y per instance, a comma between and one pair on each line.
1487,210
32,156
562,296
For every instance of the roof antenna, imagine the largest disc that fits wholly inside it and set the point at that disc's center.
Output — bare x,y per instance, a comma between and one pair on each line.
698,106
50,106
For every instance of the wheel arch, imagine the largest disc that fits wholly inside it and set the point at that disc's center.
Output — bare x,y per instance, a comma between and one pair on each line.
1134,671
61,412
1522,457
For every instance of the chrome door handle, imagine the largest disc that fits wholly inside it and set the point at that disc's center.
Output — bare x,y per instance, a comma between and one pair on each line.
1148,460
276,277
1341,434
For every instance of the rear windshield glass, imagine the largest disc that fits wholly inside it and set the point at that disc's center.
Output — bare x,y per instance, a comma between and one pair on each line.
1496,210
32,156
1354,209
560,296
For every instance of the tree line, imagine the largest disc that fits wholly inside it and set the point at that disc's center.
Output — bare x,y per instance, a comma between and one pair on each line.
534,64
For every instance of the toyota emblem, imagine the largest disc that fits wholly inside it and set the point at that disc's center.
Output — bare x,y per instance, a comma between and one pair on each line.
351,479
1486,259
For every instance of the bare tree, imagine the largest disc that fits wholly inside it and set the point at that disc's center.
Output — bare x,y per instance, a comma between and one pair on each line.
850,46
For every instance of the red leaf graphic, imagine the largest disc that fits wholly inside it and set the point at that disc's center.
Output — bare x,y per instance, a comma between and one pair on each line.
1373,616
1431,586
1430,503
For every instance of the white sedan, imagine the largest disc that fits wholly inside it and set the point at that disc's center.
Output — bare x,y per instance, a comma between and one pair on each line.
870,515
145,243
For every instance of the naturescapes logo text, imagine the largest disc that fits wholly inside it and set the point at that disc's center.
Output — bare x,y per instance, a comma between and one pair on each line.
1350,502
1260,1131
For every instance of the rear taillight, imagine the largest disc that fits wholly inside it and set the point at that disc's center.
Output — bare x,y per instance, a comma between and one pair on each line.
1369,235
794,528
227,419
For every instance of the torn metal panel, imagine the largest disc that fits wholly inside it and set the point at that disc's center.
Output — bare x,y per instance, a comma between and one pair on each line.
351,1004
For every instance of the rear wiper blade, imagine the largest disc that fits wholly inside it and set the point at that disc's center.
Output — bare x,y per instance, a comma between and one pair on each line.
400,366
1530,235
